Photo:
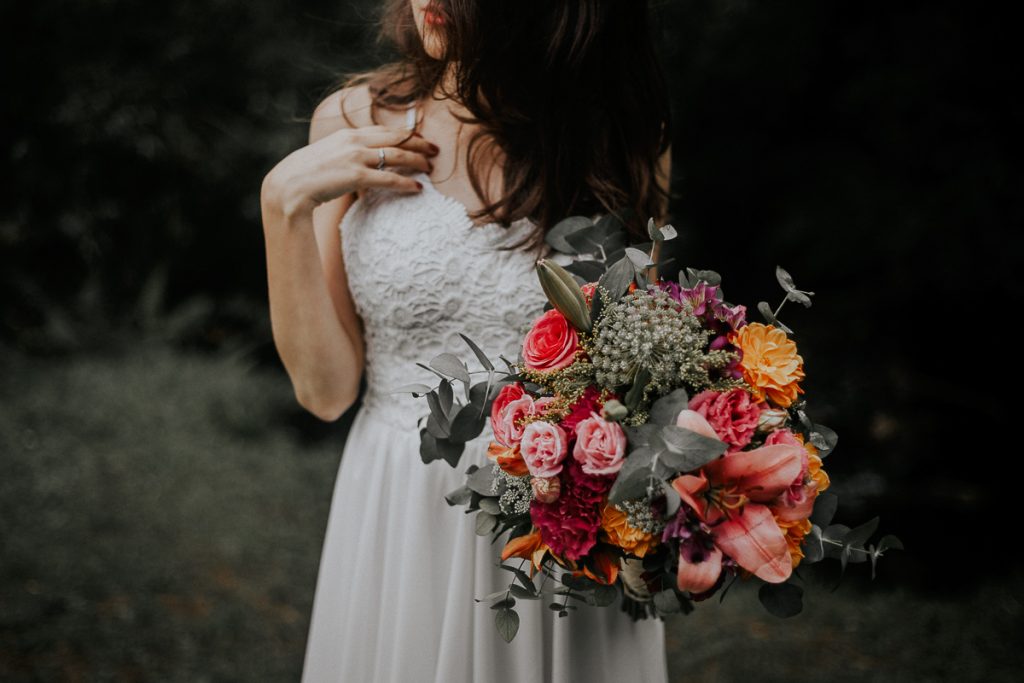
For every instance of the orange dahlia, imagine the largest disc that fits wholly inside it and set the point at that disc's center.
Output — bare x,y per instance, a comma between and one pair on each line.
630,539
814,471
770,363
794,533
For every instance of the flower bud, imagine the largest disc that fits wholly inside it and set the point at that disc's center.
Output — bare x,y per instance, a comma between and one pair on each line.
613,411
564,293
771,419
546,489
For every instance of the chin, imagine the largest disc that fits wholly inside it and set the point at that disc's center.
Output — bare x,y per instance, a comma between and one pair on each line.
433,47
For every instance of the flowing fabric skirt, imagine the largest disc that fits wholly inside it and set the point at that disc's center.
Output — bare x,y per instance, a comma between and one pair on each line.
398,573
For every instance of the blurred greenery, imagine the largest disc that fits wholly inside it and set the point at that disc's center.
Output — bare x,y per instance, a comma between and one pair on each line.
163,497
161,515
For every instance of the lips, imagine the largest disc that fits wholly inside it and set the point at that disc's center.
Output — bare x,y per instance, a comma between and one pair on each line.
432,15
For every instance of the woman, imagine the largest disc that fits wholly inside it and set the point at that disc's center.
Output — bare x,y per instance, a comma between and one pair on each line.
416,212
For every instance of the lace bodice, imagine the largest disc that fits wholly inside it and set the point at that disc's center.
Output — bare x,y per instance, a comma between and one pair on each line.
420,272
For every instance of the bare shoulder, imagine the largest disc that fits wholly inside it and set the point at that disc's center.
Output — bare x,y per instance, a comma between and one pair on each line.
344,108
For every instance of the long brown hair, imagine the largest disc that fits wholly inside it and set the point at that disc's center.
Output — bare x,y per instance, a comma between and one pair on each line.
570,92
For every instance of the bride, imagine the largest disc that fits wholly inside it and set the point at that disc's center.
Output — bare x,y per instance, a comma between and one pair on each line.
417,211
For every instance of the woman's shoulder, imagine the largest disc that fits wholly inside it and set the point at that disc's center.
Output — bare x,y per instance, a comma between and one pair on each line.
347,107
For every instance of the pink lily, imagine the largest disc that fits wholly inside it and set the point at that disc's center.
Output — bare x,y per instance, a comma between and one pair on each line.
731,496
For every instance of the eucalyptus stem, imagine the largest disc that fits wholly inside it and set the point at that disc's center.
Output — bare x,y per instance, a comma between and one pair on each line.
843,545
784,300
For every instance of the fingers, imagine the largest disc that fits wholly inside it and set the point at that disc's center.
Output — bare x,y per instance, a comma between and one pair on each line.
381,136
390,180
396,157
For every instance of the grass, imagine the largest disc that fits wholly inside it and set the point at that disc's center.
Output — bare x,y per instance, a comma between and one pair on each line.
161,515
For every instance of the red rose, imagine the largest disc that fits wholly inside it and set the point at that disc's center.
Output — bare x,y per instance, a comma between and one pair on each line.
551,344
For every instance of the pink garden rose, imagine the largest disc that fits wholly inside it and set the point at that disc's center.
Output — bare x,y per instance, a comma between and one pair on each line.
732,414
544,446
510,407
499,408
550,344
600,445
507,430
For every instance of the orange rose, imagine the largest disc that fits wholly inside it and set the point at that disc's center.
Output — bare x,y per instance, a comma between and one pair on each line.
632,540
770,363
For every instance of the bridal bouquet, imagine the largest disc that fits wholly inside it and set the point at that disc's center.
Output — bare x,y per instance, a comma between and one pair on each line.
649,445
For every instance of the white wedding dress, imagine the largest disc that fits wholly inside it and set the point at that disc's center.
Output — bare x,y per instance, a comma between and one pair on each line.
400,568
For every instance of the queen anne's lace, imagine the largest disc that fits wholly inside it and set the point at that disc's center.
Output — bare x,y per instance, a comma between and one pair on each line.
420,272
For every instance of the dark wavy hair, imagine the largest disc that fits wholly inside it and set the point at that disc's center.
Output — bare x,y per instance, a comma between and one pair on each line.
570,91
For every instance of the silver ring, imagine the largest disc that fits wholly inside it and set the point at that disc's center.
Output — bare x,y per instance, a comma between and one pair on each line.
380,158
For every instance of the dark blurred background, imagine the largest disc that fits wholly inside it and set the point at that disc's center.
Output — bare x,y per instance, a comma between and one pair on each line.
162,496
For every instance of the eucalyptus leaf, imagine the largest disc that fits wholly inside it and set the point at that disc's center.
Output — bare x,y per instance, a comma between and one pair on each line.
556,236
617,279
666,601
687,450
507,602
784,278
450,364
609,224
427,367
633,477
824,439
652,230
889,542
485,523
415,389
666,409
459,496
596,305
450,451
523,593
614,247
437,429
799,297
437,411
824,508
635,393
858,536
590,271
479,479
709,276
478,352
766,311
782,599
814,549
640,260
523,577
672,499
444,392
584,240
641,435
490,505
481,393
466,424
668,232
428,448
491,596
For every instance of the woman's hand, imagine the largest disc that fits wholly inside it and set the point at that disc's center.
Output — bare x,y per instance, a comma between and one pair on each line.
346,161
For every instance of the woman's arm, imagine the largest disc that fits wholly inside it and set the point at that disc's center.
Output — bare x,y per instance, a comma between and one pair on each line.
315,327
